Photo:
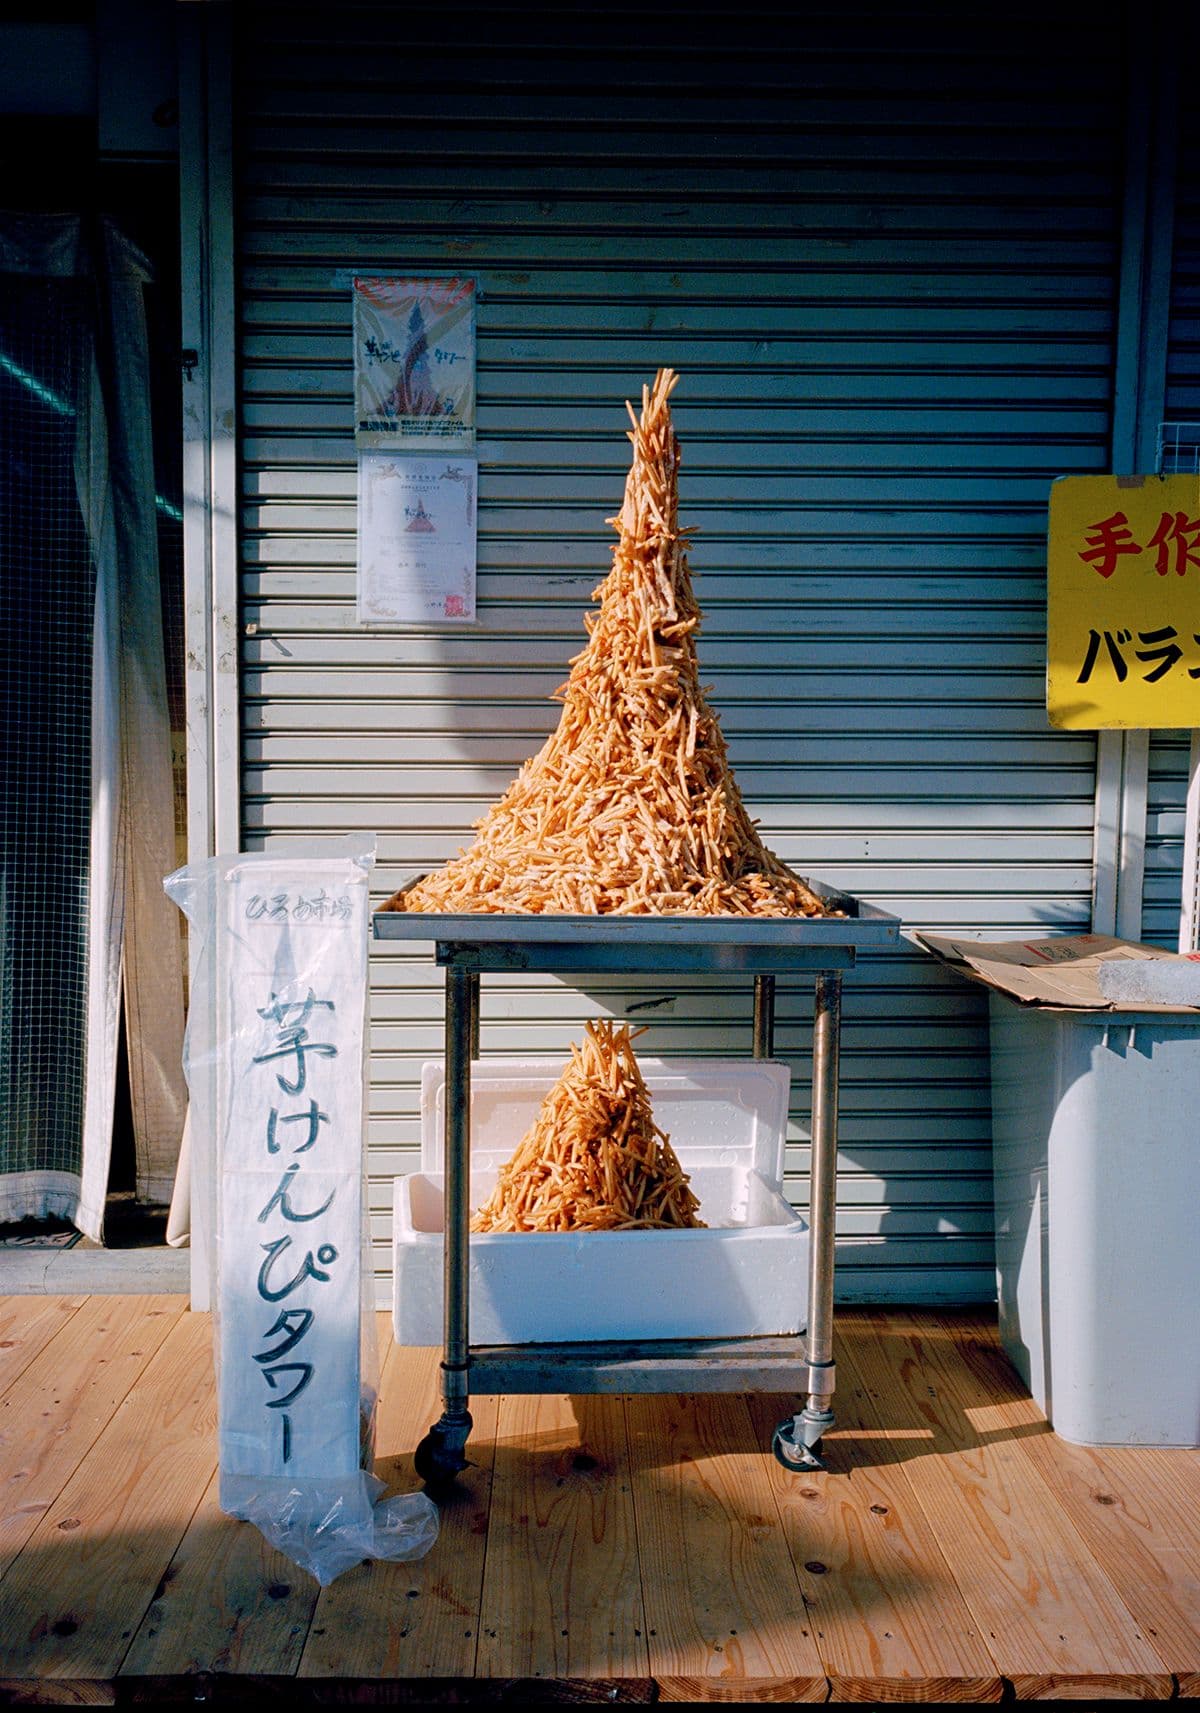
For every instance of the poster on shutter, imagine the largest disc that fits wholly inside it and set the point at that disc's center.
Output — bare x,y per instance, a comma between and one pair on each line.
414,364
416,539
1123,602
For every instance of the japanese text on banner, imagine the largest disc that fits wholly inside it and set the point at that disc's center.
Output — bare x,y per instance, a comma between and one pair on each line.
291,1217
1123,602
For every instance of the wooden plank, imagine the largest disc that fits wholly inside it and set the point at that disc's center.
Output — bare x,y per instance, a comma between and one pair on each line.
37,1692
52,1415
721,1598
228,1601
1136,1507
77,1593
265,1693
562,1589
27,1324
888,1621
740,1691
420,1619
1052,1621
1103,1686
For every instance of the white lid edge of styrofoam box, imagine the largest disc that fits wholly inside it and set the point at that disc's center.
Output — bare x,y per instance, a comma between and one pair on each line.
692,1099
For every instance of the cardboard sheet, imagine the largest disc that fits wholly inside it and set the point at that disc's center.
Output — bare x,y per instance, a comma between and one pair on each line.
1061,972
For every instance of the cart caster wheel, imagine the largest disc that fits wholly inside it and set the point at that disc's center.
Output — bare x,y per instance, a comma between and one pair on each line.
440,1455
794,1456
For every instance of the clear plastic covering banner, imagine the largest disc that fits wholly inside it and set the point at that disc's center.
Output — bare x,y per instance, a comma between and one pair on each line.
275,1060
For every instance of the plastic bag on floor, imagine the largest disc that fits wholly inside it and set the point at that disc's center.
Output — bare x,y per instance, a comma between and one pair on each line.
275,1058
327,1527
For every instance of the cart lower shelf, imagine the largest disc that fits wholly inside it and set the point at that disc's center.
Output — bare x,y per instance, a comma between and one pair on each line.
654,1365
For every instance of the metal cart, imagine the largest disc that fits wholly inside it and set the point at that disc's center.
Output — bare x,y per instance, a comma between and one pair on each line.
467,945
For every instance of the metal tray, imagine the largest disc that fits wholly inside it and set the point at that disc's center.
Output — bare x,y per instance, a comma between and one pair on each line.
719,943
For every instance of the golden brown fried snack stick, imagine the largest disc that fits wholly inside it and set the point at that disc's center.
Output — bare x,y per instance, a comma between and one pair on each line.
631,806
594,1159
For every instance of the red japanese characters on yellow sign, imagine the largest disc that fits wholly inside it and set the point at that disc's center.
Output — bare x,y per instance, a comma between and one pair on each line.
1123,602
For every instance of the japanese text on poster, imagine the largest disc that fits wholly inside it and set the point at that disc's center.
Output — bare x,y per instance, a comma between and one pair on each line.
416,539
414,364
1123,602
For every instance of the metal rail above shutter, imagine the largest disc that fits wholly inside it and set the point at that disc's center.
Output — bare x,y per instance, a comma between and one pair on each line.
881,250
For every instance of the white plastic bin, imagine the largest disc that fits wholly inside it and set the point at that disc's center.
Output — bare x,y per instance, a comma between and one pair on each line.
746,1275
1096,1138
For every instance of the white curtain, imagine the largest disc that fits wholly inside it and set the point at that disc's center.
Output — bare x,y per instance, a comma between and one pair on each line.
130,940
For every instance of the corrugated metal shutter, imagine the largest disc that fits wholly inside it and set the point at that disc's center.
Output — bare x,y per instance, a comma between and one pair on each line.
883,259
1167,790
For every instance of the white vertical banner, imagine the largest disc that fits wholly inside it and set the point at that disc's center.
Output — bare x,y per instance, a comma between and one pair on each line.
292,1398
275,1063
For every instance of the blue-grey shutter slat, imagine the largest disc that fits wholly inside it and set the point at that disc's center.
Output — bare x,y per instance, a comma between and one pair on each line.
888,283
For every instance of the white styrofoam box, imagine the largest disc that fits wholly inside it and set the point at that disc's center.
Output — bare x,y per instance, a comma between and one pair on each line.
746,1275
1097,1176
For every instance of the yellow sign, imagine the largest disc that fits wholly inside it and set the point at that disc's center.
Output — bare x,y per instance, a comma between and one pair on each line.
1123,602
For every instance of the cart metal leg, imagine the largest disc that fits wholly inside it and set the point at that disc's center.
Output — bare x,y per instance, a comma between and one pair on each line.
441,1454
694,1365
473,1000
764,1016
797,1442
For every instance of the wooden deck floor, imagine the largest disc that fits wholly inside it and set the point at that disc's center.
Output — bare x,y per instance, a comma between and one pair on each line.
601,1549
